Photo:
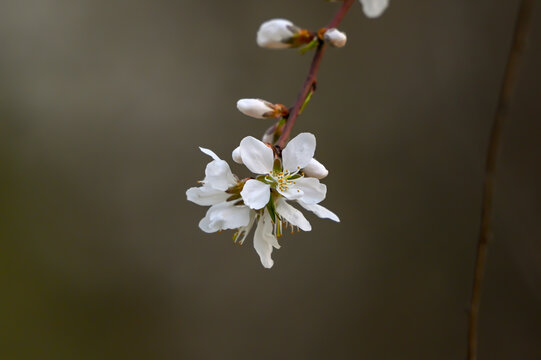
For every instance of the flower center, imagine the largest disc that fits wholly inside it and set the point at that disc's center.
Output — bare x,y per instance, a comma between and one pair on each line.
283,180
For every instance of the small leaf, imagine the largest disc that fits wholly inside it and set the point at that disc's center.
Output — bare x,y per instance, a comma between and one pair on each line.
310,46
306,101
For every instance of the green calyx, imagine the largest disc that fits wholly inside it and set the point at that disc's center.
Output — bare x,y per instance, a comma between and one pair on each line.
314,43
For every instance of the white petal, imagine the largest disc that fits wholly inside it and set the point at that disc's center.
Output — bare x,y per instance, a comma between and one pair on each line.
224,216
264,240
236,155
315,169
255,194
320,211
257,156
275,33
245,230
218,175
313,191
255,108
209,153
292,215
291,192
374,8
204,225
298,152
205,195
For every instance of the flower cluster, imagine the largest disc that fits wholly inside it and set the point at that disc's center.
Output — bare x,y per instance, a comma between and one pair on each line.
238,204
281,175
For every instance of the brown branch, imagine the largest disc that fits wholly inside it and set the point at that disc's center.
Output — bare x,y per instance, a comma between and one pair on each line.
311,79
520,33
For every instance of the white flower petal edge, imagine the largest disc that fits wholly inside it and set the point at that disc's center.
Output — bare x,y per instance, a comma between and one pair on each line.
245,230
298,152
313,191
374,8
225,216
206,196
315,169
236,156
257,156
320,211
275,34
210,153
255,194
218,175
290,193
264,240
255,108
292,215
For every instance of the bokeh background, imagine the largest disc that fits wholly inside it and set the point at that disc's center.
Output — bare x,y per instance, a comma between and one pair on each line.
103,105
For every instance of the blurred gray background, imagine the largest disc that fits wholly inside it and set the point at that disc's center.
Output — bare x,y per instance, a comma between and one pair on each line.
103,105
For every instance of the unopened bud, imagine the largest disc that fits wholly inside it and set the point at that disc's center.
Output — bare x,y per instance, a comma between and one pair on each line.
374,8
315,169
281,34
335,37
236,156
268,138
261,109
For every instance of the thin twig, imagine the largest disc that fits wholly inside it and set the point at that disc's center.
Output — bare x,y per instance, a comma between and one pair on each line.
310,82
511,72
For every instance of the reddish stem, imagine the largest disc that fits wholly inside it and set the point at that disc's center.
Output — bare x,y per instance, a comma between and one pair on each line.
311,79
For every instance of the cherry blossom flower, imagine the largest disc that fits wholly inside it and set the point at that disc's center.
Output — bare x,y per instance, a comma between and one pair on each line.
240,204
283,176
218,191
221,191
280,180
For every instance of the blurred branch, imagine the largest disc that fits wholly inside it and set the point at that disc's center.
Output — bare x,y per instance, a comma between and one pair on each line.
511,72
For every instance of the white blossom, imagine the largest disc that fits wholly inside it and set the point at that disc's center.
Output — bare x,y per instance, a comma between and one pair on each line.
226,213
335,37
240,204
257,108
286,179
280,180
222,214
374,8
284,176
276,34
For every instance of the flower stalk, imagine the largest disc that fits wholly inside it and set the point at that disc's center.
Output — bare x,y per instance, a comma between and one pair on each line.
309,85
280,173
